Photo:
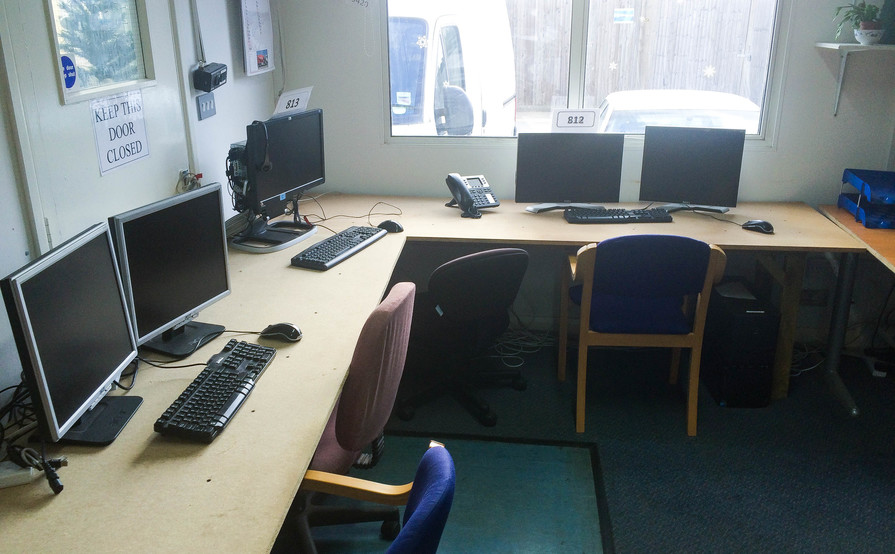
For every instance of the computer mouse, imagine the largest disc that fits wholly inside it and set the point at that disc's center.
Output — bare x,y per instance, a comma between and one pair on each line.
759,226
391,226
282,331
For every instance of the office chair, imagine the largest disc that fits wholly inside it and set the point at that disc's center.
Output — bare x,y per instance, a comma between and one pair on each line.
462,312
640,291
428,498
358,420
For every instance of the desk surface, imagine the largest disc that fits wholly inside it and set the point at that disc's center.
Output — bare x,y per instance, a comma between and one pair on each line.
798,227
880,242
147,492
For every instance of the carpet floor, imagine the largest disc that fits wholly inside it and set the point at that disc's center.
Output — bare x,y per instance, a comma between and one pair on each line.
509,498
799,475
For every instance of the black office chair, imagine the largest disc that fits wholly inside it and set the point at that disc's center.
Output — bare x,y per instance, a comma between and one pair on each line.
460,315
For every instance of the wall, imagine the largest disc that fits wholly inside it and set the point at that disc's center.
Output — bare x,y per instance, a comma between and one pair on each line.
200,145
240,101
335,45
802,160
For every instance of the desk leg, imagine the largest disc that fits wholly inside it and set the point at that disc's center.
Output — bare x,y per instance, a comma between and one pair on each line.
838,323
790,279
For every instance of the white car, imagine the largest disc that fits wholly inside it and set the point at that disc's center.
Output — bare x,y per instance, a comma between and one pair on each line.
630,111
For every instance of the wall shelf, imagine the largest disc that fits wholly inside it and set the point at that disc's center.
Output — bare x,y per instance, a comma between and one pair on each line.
844,50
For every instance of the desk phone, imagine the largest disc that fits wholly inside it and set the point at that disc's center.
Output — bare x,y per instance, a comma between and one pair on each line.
471,193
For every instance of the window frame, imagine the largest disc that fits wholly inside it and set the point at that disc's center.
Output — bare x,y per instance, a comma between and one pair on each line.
67,96
770,107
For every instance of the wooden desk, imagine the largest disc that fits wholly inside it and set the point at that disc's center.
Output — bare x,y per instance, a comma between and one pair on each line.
799,230
147,492
881,244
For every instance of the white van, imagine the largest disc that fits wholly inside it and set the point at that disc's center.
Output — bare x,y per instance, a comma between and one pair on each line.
451,68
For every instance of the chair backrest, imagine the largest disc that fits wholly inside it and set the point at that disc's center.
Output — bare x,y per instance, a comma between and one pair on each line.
429,504
647,284
375,371
478,285
650,266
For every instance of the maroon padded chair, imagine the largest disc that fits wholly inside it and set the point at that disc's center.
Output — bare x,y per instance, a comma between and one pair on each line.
357,422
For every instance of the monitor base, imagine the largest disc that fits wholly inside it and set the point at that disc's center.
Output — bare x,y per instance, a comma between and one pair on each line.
102,424
676,207
262,237
186,339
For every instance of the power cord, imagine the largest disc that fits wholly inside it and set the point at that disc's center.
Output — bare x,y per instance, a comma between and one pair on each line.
26,457
188,181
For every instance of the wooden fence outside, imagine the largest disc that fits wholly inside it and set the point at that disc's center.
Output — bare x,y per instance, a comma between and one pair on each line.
721,45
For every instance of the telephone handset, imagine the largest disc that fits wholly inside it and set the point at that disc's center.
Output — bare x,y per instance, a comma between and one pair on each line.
470,193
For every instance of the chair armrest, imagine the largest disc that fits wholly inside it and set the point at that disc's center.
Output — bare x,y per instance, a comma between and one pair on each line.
357,489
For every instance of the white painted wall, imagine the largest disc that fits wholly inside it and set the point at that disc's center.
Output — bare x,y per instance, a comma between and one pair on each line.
53,139
240,101
336,46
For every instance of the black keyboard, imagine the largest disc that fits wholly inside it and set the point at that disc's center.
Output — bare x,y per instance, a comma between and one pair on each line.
617,215
337,248
208,404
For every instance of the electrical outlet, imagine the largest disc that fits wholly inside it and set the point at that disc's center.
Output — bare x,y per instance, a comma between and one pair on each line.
205,105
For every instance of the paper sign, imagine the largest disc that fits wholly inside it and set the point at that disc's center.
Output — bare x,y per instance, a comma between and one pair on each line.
119,129
574,121
257,36
293,101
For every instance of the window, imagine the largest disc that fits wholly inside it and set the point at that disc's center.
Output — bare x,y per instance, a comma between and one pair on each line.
100,44
637,62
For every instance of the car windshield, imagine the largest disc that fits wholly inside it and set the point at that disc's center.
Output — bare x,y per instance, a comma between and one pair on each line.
634,121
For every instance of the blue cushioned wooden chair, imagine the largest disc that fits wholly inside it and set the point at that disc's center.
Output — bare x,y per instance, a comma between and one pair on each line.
640,291
428,498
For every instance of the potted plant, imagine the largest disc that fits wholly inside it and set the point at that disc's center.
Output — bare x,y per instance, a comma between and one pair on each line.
863,17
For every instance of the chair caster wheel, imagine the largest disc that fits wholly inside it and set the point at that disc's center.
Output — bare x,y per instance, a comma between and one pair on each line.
390,529
405,413
520,384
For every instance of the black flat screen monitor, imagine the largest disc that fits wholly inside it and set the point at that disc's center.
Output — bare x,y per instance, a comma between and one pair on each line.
569,167
283,159
69,317
692,168
173,258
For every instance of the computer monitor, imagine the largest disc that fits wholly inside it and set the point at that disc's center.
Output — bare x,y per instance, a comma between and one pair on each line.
173,259
283,158
692,168
569,167
70,320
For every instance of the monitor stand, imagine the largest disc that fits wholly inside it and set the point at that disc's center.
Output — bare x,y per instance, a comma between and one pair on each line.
262,236
184,340
103,423
676,207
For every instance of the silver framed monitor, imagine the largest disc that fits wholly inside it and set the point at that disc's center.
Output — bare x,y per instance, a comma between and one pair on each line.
173,259
72,328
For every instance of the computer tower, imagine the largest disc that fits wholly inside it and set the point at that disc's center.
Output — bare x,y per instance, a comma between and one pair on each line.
739,347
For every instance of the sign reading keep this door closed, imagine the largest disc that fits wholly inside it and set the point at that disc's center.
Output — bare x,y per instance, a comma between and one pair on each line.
120,129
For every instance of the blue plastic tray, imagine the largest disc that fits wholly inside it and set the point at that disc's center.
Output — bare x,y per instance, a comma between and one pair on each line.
872,215
876,186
